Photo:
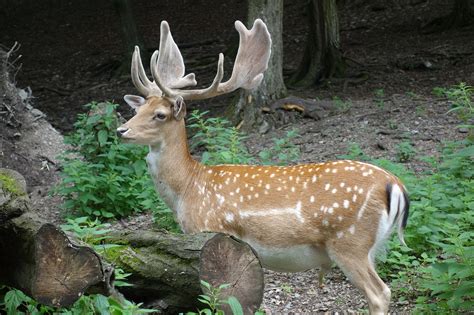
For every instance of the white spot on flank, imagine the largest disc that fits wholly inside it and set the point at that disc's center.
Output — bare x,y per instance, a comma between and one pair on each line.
237,190
327,170
352,229
340,234
365,174
364,205
305,185
330,210
256,195
335,205
229,217
349,189
210,171
361,190
339,218
334,191
311,199
334,170
267,186
272,175
235,204
292,189
342,184
313,179
272,212
325,222
354,198
346,203
279,188
326,187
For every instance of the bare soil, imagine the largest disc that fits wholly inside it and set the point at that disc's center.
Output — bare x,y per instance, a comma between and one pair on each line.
71,50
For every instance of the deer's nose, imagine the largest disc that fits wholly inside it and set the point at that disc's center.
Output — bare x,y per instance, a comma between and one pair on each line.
121,131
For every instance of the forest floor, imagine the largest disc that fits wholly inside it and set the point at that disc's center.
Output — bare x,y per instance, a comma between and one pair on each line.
70,57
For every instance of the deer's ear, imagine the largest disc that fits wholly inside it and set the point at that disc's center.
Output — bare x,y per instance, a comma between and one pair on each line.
179,108
134,101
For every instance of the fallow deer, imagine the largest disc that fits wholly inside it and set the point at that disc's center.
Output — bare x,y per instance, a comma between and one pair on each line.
295,217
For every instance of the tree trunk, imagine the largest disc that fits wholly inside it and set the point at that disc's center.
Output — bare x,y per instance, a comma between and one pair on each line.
248,109
322,57
130,34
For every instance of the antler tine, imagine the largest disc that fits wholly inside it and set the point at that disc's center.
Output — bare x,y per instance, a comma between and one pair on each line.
250,63
154,63
139,77
167,65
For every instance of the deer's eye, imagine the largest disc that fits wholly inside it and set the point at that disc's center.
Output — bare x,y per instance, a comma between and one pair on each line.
160,116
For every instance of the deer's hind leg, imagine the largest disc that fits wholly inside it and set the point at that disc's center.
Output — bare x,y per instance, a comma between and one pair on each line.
358,266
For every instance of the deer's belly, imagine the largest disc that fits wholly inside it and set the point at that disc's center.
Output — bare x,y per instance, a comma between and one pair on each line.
290,259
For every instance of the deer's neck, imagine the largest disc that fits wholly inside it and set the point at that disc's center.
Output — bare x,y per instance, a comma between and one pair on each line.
173,169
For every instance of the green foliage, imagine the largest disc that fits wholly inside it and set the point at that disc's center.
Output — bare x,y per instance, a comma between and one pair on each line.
89,231
405,151
222,143
212,299
355,152
283,151
379,95
461,99
341,106
101,176
15,302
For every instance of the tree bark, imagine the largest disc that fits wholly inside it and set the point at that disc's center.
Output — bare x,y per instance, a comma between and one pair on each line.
130,35
322,57
248,109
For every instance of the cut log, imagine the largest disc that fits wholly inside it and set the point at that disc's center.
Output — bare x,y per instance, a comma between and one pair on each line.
38,258
166,268
227,260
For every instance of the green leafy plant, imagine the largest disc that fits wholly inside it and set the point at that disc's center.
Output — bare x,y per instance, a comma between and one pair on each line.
283,151
379,95
222,143
16,302
213,300
87,230
405,151
101,176
341,105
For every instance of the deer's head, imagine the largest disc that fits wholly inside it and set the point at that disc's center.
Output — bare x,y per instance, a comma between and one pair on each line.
162,108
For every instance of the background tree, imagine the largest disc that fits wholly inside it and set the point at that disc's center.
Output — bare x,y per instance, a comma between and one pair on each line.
461,15
130,34
322,57
248,109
